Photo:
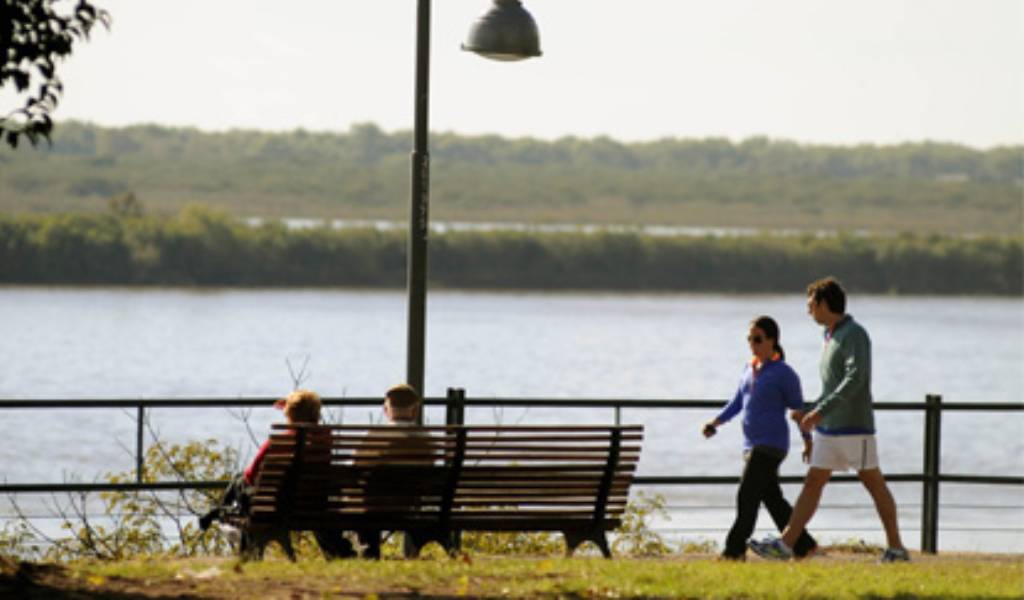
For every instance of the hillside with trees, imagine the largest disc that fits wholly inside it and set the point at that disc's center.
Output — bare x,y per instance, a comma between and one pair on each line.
757,183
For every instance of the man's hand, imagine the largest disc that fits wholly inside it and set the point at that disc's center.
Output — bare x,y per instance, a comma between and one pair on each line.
796,416
709,429
810,421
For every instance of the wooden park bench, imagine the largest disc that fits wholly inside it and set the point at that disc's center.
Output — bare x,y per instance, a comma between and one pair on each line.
434,481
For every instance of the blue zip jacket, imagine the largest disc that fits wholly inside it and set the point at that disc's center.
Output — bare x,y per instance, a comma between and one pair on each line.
764,401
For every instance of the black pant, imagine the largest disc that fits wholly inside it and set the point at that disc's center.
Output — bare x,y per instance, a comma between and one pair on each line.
760,483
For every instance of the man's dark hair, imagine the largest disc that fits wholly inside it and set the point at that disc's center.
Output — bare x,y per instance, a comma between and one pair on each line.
831,291
403,397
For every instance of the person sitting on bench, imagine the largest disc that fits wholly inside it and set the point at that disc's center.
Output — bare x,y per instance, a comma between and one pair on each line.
399,446
300,406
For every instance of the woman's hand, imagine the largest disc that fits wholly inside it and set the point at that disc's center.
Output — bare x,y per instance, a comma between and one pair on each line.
710,428
810,421
808,449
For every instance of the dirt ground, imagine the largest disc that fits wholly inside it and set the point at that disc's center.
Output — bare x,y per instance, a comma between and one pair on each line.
31,581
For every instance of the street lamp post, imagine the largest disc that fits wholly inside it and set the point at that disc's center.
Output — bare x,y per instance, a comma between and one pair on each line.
505,32
419,216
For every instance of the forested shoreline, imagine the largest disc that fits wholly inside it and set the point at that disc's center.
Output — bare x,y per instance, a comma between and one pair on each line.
202,246
363,173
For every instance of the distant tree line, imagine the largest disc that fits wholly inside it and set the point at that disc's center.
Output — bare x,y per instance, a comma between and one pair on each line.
201,246
363,173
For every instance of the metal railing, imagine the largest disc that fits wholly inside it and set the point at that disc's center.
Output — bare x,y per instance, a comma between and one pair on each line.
455,403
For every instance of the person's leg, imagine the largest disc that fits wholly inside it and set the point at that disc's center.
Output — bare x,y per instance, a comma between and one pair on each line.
756,472
885,504
228,500
781,511
806,504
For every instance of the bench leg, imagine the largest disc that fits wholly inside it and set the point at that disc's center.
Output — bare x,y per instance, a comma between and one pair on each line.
602,544
416,540
252,543
573,539
286,543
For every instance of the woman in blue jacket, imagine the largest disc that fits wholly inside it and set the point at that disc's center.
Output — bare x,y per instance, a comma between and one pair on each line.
767,388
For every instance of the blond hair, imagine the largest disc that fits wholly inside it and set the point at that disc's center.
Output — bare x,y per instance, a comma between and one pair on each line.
302,406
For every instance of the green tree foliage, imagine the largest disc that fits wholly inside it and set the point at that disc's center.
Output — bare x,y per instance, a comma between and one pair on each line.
757,183
204,246
124,524
34,36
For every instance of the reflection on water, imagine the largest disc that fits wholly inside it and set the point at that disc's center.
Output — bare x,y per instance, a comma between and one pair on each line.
100,343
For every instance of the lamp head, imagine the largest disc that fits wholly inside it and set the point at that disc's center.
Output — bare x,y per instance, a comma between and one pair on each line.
506,32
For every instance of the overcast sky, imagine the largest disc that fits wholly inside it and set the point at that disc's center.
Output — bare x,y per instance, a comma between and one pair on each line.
875,71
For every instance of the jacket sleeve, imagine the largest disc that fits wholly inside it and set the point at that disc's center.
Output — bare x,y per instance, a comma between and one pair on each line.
856,356
733,407
254,467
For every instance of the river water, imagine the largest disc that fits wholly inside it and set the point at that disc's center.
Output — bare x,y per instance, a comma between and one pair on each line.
163,343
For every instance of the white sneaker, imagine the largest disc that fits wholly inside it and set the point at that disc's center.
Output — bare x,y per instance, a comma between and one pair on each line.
772,548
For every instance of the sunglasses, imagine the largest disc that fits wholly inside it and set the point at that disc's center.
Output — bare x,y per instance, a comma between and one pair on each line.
755,339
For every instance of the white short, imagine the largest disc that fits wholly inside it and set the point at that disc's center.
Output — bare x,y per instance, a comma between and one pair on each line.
844,452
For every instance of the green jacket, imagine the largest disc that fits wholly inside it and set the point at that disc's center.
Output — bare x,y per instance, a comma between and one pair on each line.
845,402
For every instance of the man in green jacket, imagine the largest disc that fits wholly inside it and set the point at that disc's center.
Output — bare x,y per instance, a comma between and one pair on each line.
843,421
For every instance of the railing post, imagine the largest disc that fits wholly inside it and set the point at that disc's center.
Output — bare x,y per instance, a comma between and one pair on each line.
454,414
618,415
932,462
140,442
455,407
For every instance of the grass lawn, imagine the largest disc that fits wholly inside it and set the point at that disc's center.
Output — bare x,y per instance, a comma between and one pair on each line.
835,575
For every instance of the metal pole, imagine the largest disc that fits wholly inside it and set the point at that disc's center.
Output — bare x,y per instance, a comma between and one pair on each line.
140,442
449,407
420,207
930,490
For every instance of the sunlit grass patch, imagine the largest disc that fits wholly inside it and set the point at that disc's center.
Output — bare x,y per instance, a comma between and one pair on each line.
846,576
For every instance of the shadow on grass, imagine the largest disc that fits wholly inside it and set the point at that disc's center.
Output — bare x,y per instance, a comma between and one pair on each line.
29,581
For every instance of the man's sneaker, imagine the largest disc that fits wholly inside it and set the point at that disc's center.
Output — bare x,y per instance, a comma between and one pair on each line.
771,548
892,555
232,534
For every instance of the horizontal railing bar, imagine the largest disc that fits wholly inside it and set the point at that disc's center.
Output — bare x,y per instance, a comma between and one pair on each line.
267,402
860,506
833,529
186,485
43,488
723,479
979,406
25,488
993,479
667,507
177,402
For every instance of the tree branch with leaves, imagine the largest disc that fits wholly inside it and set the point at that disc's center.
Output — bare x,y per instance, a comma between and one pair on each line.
35,35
